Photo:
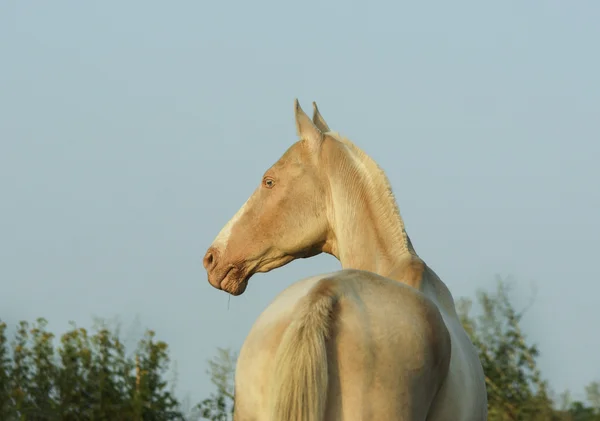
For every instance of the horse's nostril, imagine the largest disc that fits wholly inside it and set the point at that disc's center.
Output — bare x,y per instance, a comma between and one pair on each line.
209,260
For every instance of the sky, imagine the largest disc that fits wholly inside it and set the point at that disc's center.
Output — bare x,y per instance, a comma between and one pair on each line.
130,132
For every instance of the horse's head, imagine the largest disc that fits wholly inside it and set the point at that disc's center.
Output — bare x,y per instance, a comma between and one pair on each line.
285,218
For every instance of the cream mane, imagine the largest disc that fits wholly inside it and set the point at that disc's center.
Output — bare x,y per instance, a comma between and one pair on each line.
383,195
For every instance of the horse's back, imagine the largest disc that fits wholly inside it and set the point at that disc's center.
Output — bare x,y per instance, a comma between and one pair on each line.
388,349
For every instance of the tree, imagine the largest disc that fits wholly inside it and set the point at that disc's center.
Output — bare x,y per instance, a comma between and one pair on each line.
88,377
5,390
43,373
20,373
219,406
593,396
579,411
515,387
152,399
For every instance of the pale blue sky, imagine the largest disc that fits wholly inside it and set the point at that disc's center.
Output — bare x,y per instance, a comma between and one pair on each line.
132,131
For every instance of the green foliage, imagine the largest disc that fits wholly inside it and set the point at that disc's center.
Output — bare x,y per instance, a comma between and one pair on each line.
153,401
516,389
220,405
5,369
592,392
579,411
87,377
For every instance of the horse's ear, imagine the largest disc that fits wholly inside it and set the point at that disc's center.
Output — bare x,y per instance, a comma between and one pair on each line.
319,120
305,128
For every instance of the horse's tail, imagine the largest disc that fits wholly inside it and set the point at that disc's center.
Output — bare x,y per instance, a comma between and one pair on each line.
300,378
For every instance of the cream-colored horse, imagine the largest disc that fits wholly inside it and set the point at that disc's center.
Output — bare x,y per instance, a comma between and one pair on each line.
378,340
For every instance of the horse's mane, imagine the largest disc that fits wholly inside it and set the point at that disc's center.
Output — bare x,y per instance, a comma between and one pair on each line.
383,195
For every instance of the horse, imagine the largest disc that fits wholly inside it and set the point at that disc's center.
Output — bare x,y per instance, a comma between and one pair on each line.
378,339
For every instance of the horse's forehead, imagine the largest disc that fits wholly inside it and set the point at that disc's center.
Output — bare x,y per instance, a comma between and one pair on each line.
293,155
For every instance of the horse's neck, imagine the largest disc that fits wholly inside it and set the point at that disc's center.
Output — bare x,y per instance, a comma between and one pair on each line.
360,241
363,239
367,231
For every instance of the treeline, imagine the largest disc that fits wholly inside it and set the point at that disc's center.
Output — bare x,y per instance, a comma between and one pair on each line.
516,388
87,377
90,376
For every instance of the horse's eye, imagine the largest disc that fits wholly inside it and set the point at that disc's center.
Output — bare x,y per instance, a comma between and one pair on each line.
269,183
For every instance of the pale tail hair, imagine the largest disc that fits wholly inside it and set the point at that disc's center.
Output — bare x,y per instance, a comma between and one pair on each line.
300,378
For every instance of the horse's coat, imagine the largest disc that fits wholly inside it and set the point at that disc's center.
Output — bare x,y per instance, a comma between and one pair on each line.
377,340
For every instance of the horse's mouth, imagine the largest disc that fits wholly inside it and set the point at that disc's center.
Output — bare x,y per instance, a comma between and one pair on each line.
232,284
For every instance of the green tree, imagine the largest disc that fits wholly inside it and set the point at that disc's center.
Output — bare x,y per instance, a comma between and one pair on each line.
152,399
579,411
592,392
71,379
219,406
516,390
88,377
20,373
5,389
43,373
